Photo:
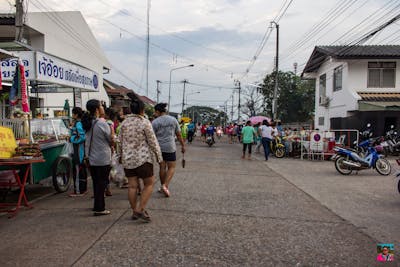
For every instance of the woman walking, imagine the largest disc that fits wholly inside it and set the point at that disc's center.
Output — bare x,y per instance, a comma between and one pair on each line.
138,143
78,142
248,134
266,137
98,150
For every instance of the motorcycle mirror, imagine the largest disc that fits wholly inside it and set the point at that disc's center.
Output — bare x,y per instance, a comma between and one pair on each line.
369,125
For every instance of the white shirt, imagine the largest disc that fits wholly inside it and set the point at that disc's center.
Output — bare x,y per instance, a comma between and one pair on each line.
266,131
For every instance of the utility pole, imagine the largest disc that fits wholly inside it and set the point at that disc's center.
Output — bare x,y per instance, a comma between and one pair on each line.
274,103
183,99
232,109
158,90
295,68
19,20
148,47
239,87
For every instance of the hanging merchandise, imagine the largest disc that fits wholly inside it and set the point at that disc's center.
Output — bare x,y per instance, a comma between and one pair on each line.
24,94
14,87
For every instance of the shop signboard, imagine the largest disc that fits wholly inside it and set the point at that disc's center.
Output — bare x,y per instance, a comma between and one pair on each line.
53,70
316,143
8,66
77,98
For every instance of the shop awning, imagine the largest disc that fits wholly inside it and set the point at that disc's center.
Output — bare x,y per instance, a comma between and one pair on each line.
379,105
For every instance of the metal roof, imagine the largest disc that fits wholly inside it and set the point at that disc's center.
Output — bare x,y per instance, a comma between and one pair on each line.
321,53
381,97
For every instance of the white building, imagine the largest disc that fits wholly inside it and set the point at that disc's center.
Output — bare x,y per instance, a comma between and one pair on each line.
65,40
356,85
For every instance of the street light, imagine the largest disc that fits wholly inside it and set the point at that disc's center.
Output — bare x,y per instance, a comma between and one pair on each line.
183,105
169,87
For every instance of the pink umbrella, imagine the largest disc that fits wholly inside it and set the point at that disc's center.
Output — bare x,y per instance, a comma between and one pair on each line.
257,119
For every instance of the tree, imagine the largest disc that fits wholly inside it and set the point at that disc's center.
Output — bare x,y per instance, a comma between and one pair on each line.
295,98
254,101
205,114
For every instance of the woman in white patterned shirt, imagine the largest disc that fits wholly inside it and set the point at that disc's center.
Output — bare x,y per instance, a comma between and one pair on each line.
138,144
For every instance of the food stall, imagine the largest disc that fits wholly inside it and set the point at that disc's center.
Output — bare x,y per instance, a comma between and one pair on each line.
47,74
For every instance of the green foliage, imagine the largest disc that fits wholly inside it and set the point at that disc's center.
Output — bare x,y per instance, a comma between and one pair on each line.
205,114
295,98
149,111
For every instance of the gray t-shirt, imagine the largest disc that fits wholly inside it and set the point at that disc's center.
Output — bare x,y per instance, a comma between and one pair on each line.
166,127
100,152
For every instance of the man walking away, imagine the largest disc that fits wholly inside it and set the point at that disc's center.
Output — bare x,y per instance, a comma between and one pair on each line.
191,128
166,128
248,133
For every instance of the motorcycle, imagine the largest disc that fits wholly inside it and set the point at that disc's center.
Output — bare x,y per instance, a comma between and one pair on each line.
392,142
277,147
209,140
219,133
347,160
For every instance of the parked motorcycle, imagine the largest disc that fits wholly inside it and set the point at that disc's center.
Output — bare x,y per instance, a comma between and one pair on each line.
347,161
277,147
391,143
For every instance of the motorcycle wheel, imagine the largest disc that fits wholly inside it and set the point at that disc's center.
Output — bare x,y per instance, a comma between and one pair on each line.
398,186
340,168
280,152
62,174
383,166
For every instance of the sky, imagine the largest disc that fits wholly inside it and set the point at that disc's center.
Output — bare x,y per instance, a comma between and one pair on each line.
220,37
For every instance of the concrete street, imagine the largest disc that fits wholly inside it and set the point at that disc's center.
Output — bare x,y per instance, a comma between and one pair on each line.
223,211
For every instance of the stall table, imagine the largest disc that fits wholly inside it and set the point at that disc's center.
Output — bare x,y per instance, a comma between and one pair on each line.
14,164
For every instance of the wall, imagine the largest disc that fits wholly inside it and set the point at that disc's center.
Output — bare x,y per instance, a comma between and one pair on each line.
355,78
79,47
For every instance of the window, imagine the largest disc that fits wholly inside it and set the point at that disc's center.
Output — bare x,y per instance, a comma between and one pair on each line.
322,88
321,121
337,78
381,74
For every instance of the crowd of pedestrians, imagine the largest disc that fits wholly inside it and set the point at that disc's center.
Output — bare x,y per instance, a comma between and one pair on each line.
101,134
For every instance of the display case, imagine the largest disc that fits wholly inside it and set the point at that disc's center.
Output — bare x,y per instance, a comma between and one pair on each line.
49,132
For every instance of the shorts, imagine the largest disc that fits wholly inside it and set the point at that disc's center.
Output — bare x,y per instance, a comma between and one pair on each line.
144,171
169,156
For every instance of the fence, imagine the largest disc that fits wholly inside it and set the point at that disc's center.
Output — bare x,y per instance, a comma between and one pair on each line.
20,127
319,145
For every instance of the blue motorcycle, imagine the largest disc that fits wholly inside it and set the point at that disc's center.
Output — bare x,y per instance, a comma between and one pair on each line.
348,160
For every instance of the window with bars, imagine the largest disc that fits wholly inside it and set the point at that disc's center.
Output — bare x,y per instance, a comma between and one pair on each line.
381,74
337,78
321,121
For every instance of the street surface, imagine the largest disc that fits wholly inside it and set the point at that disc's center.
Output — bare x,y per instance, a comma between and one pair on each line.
223,211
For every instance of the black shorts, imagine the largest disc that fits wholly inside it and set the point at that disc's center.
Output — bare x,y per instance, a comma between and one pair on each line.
169,156
144,171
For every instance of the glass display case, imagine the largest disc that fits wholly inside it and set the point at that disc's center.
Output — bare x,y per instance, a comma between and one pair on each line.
49,131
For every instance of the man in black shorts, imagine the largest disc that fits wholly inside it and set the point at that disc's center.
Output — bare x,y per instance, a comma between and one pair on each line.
166,128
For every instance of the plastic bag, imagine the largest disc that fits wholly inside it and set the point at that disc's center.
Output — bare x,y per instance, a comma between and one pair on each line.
117,173
68,150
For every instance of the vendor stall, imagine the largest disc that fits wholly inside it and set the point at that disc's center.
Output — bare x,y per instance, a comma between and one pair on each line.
47,74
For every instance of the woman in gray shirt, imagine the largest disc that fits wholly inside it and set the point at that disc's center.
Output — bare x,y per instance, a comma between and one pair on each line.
98,150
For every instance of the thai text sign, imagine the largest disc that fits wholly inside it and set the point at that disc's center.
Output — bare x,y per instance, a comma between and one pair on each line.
54,70
8,66
7,143
51,69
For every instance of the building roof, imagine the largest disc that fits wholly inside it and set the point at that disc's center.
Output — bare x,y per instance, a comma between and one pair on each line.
321,53
114,89
381,97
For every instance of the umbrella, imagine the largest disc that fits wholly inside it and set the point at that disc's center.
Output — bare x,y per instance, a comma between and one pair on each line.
257,119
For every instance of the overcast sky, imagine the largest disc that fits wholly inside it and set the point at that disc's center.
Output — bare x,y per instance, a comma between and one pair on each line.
219,37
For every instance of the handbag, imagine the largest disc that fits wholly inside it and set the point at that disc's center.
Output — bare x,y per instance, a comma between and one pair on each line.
86,158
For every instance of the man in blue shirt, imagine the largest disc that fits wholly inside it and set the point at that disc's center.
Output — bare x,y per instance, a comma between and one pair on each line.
211,131
191,128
